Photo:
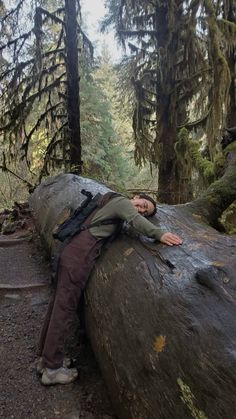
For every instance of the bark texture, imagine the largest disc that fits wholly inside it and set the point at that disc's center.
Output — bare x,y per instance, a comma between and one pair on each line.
161,319
73,88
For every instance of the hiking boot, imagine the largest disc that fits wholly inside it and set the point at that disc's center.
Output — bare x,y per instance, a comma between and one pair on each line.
60,375
40,366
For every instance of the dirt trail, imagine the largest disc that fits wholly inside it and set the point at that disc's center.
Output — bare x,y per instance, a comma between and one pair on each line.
24,292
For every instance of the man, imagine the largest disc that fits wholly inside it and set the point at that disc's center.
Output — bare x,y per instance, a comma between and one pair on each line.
75,265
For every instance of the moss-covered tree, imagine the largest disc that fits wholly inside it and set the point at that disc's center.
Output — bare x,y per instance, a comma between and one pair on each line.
41,78
180,78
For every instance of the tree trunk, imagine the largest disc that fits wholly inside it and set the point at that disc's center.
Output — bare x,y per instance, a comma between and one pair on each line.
167,183
161,319
218,197
173,188
73,102
231,111
231,59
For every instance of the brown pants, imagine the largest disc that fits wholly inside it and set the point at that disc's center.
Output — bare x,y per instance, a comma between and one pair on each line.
75,265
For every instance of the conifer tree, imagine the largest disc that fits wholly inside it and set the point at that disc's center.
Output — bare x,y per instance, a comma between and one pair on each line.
41,78
180,78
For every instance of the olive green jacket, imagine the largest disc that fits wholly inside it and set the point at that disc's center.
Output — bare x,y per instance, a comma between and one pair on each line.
121,207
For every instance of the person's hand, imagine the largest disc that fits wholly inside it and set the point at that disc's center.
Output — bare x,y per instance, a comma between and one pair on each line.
170,239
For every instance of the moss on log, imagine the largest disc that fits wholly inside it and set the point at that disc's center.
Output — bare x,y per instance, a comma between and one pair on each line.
218,197
161,319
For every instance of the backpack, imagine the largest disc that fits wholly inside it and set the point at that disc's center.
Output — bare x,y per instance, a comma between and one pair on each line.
74,224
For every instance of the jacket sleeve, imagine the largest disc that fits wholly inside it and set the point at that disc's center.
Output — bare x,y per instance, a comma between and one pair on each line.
126,211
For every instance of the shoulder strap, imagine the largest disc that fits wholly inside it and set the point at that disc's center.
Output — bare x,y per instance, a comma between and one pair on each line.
99,223
106,198
101,202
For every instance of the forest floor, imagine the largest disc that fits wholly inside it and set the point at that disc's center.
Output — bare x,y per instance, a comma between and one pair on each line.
24,293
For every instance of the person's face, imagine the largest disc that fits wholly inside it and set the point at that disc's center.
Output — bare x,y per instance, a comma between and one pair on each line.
143,206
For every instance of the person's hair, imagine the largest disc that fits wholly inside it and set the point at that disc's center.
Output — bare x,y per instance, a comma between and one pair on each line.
150,199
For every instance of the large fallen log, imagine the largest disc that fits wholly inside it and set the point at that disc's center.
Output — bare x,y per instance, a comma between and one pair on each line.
161,319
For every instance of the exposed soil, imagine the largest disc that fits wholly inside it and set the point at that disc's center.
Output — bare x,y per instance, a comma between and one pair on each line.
24,292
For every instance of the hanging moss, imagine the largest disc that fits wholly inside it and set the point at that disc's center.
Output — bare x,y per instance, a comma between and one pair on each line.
188,155
228,29
221,78
228,219
219,164
183,159
204,166
231,147
217,198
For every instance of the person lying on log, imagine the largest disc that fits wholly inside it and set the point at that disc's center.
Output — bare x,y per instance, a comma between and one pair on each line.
75,264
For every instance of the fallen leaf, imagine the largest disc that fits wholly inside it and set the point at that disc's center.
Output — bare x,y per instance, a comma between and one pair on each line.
129,251
197,216
159,343
217,263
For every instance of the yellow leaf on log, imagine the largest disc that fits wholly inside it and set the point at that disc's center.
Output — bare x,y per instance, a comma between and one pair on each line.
217,263
129,251
159,343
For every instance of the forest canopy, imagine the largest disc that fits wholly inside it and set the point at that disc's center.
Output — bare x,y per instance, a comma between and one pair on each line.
155,120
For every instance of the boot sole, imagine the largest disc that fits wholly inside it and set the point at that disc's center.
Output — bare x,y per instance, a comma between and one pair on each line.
46,381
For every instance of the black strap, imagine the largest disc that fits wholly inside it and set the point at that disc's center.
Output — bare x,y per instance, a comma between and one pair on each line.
99,223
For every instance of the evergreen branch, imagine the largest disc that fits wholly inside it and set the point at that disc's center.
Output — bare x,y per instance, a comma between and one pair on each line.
45,89
9,125
146,138
14,41
27,80
150,121
228,29
53,143
150,102
38,78
60,160
37,125
59,10
60,38
12,11
194,124
181,83
143,19
32,98
15,113
19,67
79,7
62,95
86,40
150,92
21,46
141,51
52,15
60,115
140,32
